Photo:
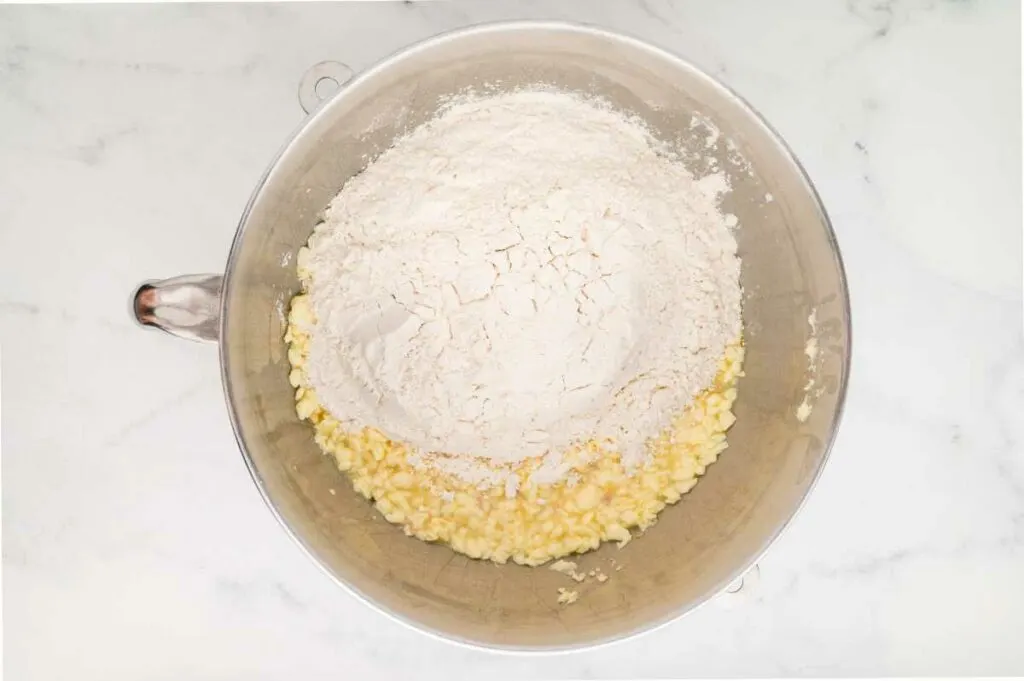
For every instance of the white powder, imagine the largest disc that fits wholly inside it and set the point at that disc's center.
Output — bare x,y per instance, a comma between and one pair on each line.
803,410
522,273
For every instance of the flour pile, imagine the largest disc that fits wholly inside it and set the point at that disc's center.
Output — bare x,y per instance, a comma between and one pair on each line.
523,273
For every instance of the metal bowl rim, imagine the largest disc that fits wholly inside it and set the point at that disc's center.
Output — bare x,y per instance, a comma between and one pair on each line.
410,52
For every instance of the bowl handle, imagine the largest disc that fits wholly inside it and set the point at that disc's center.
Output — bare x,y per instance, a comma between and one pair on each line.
187,306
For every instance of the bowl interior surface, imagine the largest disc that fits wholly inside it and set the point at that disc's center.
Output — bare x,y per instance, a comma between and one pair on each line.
790,268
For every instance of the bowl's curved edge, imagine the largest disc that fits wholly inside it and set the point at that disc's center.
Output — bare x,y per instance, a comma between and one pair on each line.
407,53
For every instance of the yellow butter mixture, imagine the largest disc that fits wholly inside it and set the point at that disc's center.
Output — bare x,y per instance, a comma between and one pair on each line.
598,501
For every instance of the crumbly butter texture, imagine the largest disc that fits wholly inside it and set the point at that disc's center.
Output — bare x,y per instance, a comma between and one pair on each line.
600,501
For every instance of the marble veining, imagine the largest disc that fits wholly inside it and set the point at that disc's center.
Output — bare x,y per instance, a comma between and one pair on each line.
135,544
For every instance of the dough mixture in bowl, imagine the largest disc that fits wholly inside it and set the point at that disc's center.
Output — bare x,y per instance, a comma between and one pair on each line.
519,330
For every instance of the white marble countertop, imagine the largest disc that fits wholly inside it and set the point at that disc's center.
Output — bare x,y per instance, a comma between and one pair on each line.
135,545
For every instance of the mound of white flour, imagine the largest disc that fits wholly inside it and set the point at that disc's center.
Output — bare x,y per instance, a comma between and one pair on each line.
521,273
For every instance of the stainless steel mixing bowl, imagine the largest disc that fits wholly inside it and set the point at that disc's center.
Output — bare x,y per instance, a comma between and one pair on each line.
791,267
